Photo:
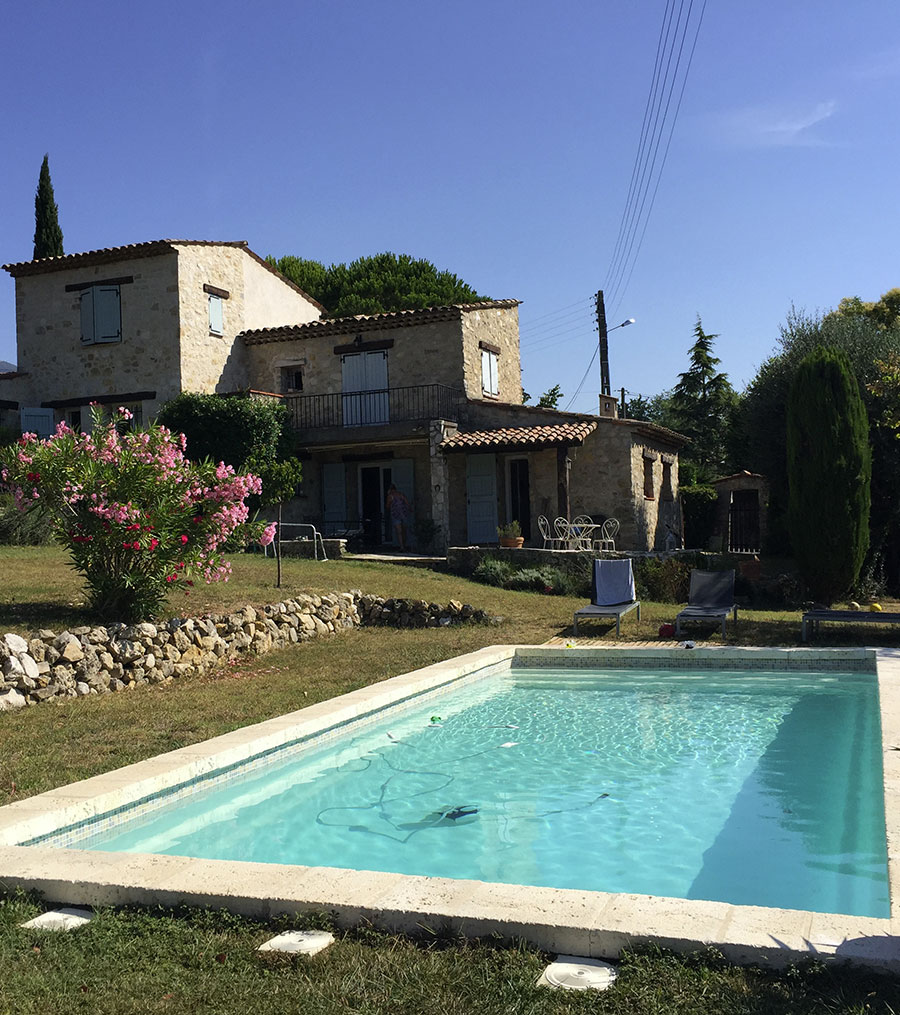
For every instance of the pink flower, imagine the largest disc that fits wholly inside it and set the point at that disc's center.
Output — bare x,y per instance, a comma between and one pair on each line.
184,539
268,534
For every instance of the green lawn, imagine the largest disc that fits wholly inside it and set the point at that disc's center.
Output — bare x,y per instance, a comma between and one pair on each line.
147,961
144,961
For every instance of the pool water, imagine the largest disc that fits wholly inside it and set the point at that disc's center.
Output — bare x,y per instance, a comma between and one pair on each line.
752,788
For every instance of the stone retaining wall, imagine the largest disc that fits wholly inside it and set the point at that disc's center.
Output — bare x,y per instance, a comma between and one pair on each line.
98,660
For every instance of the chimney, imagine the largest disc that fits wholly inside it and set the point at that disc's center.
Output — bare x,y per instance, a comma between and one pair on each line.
609,406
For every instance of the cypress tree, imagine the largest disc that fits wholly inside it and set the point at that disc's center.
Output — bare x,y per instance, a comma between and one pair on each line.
829,473
48,237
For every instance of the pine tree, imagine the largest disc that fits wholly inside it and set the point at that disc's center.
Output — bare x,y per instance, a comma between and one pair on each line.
701,404
48,237
829,473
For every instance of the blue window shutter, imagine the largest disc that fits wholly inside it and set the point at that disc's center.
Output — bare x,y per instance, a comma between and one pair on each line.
216,317
87,315
107,314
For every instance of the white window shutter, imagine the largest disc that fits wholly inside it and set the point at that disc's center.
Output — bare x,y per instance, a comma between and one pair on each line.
216,317
87,315
495,370
485,370
107,314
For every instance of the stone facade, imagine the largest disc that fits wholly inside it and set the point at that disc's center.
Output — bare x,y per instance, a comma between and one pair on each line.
421,347
497,327
625,469
166,345
256,298
58,366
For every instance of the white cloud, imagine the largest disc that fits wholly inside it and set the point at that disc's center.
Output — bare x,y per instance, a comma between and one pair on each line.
775,126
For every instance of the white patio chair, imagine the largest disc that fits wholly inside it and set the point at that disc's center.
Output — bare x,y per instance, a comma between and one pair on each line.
581,532
550,540
608,532
564,533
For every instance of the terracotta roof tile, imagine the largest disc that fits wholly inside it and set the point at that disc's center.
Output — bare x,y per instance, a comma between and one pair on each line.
129,251
521,436
370,322
126,252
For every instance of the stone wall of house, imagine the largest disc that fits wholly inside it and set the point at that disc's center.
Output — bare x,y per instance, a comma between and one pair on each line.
498,327
427,353
97,660
60,366
608,477
270,301
256,298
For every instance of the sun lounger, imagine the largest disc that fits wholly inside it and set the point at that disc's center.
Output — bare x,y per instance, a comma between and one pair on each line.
612,593
812,619
711,597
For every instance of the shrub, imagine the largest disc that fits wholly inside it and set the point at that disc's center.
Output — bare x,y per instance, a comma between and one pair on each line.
549,580
136,516
662,580
30,528
231,430
491,571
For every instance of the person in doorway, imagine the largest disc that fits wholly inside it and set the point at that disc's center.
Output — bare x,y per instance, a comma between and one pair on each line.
398,510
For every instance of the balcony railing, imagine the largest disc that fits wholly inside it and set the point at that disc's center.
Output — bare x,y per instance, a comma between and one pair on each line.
371,408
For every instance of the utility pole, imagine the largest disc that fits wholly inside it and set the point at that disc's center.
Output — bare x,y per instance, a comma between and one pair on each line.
604,345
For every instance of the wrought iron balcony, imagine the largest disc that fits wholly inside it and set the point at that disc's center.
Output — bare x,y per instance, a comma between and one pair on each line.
373,408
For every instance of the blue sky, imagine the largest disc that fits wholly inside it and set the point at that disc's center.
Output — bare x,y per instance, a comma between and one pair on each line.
493,138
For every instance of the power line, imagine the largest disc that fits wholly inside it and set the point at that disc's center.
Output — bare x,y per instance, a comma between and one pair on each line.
555,313
665,157
647,169
583,379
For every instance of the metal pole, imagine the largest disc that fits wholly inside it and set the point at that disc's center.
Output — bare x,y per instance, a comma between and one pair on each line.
604,345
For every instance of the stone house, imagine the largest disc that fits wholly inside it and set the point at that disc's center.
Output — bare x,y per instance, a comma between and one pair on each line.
136,325
429,400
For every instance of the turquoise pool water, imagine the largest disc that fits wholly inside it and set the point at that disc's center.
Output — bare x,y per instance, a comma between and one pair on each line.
754,788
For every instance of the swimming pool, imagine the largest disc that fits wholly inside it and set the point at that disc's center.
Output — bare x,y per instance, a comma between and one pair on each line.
579,771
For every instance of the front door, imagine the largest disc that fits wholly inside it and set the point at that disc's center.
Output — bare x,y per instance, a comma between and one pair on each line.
481,498
364,384
375,480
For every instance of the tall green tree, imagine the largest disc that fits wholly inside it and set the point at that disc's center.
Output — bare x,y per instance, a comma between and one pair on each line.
377,284
48,237
702,404
829,473
762,419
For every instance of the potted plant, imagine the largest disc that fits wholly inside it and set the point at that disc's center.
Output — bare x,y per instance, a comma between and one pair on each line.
511,534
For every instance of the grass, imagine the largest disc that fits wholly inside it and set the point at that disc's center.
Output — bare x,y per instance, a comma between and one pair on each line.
150,960
146,961
71,739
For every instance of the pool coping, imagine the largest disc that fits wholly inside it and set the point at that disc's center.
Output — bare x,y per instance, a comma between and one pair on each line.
595,924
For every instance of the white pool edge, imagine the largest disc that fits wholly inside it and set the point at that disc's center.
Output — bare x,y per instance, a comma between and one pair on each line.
595,924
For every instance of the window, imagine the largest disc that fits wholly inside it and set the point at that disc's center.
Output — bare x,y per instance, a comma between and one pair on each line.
490,363
648,478
291,380
101,314
216,315
666,492
73,418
